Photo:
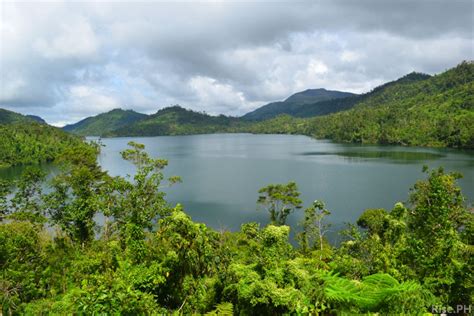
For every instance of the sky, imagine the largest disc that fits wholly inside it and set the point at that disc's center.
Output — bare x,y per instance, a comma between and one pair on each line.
65,61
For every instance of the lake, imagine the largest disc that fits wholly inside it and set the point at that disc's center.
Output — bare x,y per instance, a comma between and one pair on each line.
222,173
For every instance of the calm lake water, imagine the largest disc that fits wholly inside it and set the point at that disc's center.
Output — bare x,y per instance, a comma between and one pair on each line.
222,173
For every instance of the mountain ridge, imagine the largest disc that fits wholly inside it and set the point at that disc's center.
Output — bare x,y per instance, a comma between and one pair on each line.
293,103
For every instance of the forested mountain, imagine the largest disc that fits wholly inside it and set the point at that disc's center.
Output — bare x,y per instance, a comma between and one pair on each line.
415,110
305,103
104,122
176,120
438,111
29,140
9,117
25,143
342,104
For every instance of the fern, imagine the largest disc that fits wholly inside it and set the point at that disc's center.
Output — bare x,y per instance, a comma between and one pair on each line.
374,292
222,309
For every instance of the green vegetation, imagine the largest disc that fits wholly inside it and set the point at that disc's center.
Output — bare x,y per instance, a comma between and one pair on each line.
176,120
28,142
412,111
304,104
149,257
105,122
435,112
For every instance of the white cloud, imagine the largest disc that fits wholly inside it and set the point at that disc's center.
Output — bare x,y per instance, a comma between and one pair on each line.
217,97
64,61
75,39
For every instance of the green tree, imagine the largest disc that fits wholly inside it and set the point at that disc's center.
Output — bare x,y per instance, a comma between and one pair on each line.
314,228
27,202
136,204
279,200
435,249
76,194
5,190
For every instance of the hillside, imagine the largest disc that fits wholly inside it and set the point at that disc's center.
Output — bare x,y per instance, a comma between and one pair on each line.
27,139
415,110
176,120
10,117
300,104
26,143
342,104
104,122
435,112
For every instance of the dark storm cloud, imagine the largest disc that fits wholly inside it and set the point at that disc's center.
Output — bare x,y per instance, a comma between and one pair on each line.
66,61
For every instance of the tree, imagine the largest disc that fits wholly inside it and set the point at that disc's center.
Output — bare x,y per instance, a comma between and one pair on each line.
136,204
26,203
314,229
280,200
375,220
76,193
435,249
5,189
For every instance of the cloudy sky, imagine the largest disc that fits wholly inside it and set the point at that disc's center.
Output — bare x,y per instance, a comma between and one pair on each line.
65,61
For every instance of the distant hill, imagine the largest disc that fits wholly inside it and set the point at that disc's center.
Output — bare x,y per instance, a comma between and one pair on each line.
104,122
176,120
298,104
415,110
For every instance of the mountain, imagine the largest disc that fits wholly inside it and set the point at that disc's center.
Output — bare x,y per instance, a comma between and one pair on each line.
415,110
104,122
316,95
176,120
342,104
28,140
36,118
438,111
10,117
298,102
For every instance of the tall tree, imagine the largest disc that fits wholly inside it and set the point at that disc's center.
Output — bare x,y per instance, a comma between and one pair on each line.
314,228
280,200
76,193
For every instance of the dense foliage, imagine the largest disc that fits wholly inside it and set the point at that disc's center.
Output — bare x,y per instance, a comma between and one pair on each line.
435,112
28,142
104,122
149,257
